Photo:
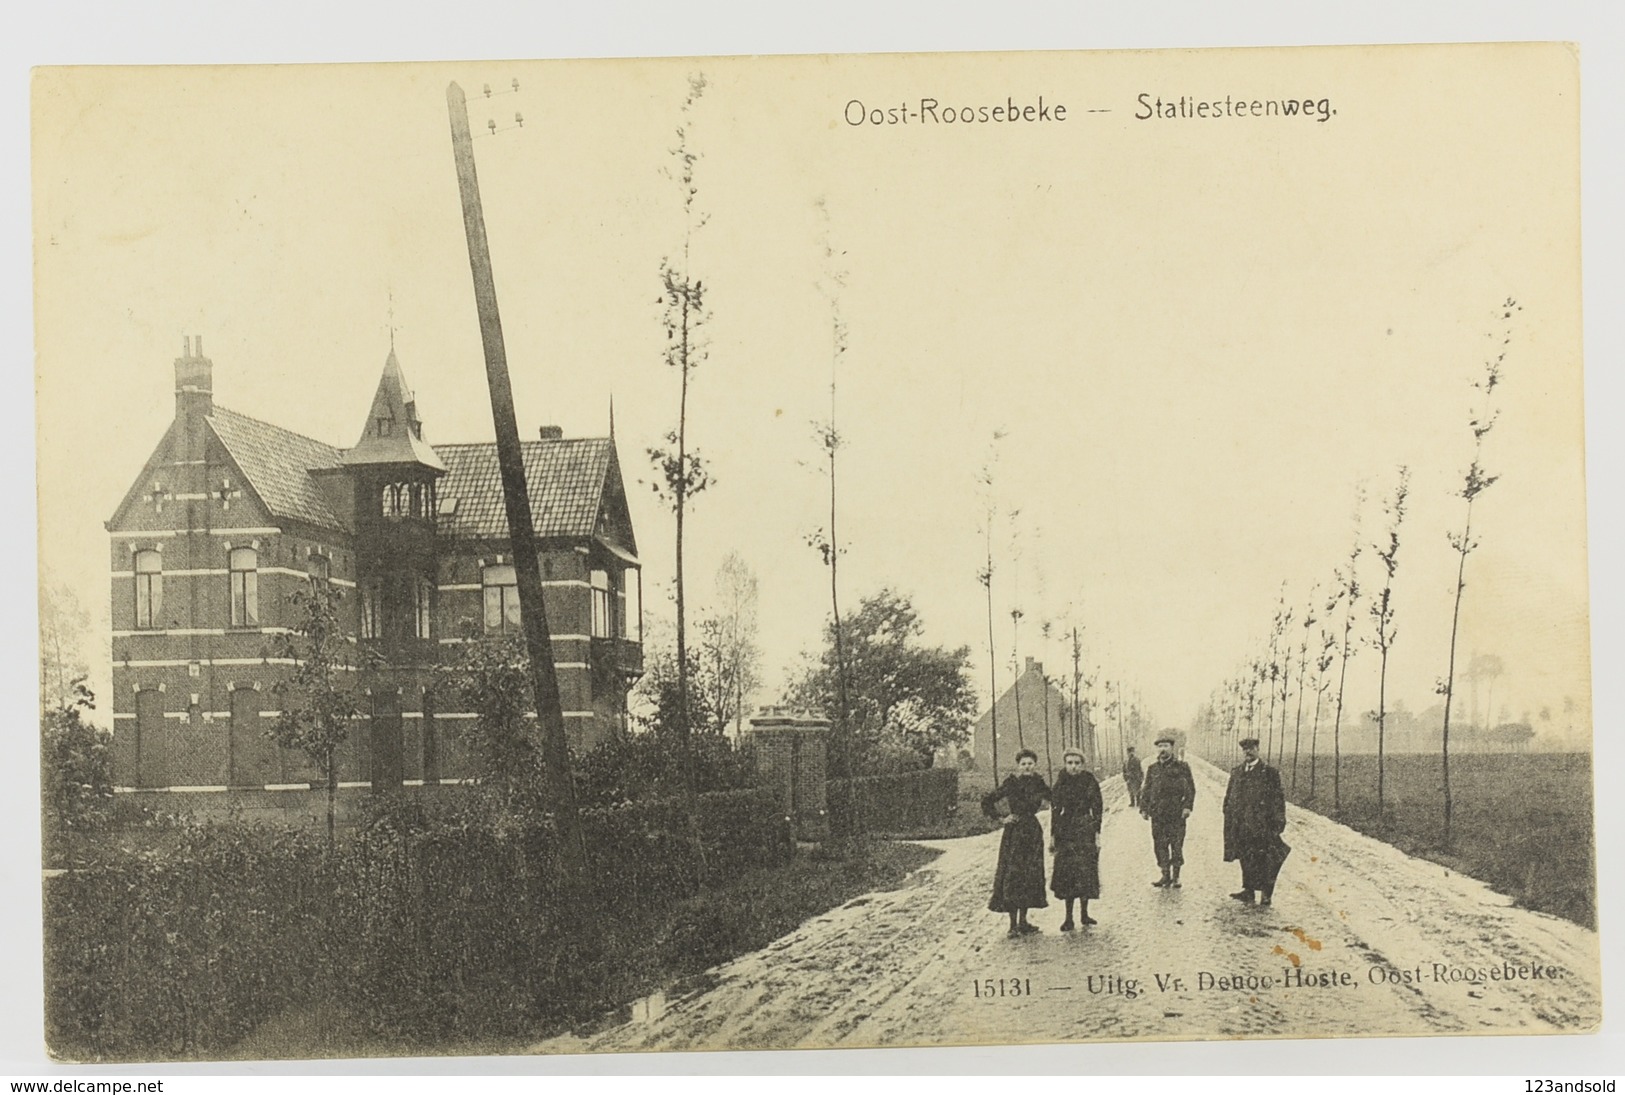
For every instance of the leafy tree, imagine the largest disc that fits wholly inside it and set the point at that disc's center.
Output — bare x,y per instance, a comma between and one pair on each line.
491,678
902,693
318,709
77,761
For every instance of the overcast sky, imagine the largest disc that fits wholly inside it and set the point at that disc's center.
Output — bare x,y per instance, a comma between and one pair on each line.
1197,335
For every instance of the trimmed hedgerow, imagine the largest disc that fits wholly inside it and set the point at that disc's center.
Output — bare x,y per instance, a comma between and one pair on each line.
906,801
436,918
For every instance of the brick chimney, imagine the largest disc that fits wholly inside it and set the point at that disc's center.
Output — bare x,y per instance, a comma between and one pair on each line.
194,381
194,398
1032,665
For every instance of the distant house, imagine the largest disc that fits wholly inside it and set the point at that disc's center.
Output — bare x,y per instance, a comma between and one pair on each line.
1042,721
229,515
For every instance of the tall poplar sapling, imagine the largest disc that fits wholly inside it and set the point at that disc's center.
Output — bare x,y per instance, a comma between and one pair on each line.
1382,618
1348,591
1303,665
985,577
682,472
1474,483
1323,681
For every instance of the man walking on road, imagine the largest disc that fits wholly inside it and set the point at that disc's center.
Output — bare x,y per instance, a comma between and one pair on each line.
1254,817
1132,776
1167,798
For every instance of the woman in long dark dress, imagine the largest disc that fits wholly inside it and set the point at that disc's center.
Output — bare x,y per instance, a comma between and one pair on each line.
1018,883
1074,833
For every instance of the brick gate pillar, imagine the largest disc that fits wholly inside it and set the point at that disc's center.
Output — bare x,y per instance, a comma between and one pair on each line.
792,756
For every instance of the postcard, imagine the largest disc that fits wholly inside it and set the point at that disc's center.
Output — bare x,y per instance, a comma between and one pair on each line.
802,552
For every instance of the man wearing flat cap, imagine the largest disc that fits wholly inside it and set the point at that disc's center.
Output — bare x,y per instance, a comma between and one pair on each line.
1254,817
1167,798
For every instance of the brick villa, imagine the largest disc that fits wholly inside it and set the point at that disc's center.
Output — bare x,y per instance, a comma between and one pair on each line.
230,515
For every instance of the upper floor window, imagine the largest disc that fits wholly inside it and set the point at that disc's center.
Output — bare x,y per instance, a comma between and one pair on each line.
501,589
149,588
371,595
632,604
245,590
423,616
407,499
320,569
603,618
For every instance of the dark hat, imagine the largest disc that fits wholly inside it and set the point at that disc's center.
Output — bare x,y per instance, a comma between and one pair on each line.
1168,738
1248,743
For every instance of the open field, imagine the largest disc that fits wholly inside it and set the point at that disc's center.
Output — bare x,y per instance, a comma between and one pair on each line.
1523,821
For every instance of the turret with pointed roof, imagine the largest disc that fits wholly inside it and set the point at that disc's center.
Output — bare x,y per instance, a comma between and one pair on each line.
393,433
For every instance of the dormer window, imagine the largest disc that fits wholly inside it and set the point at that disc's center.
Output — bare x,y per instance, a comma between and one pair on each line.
386,426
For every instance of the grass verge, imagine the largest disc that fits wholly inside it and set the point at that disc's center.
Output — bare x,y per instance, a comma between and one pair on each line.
1523,822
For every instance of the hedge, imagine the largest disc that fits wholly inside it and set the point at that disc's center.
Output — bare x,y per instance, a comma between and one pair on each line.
431,920
892,803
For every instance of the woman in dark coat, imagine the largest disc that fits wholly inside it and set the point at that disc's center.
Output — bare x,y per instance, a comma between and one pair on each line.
1074,831
1018,884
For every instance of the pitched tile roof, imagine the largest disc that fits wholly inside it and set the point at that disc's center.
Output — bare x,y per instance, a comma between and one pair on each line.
566,479
277,463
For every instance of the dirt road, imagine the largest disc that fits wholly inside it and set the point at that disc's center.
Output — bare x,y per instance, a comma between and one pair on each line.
1362,940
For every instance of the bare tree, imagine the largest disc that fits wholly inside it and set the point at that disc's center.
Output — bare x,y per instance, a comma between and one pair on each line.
737,589
63,625
1475,482
1382,618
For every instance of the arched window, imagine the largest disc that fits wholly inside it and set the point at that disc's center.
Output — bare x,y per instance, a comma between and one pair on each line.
245,590
149,589
501,589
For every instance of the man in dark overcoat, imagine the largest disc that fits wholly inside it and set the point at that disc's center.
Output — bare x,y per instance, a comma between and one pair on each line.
1254,818
1167,798
1133,776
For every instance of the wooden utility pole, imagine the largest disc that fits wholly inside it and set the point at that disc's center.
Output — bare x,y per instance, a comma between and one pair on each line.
516,497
